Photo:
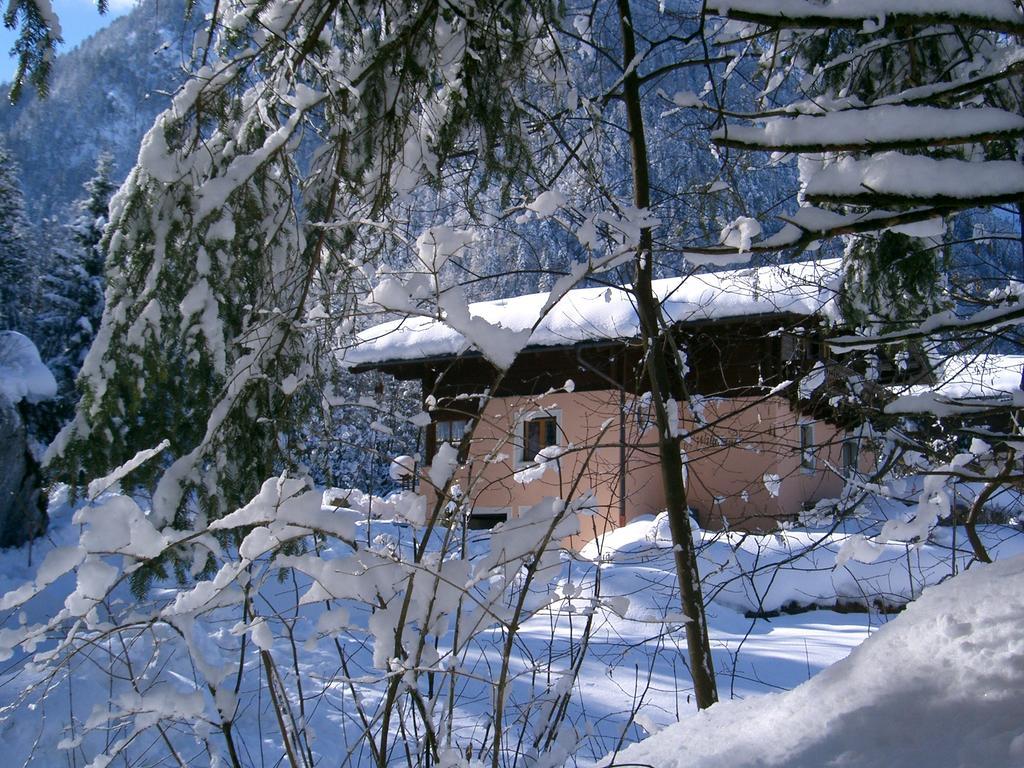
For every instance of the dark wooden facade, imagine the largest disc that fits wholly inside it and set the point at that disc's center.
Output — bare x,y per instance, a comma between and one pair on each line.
724,358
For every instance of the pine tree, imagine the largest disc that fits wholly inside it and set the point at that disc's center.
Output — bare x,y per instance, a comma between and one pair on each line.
220,242
897,133
17,275
893,132
73,296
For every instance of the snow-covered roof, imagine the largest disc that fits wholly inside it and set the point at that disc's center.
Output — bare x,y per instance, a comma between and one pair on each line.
982,376
589,314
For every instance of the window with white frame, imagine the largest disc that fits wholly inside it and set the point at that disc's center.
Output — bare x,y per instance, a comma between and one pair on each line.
851,457
807,445
537,431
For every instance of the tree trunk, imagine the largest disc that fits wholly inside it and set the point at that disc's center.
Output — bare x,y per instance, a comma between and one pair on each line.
663,366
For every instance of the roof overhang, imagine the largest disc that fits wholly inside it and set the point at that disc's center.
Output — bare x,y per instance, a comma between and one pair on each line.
762,318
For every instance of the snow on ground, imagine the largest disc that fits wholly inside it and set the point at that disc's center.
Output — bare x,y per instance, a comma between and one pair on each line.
940,685
797,568
631,682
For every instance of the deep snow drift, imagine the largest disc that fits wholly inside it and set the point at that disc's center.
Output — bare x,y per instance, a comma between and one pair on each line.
619,605
941,685
798,568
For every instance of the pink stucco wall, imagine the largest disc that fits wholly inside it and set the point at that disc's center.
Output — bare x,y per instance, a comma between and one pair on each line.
733,465
588,428
726,464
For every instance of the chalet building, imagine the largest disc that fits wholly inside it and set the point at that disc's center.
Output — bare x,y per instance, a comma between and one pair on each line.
576,394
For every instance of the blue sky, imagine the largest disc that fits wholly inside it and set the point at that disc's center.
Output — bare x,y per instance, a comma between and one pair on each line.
78,20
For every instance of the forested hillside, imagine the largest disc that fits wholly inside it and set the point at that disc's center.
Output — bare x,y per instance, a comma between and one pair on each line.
103,97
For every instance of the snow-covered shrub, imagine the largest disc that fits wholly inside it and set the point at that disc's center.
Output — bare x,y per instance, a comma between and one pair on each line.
316,634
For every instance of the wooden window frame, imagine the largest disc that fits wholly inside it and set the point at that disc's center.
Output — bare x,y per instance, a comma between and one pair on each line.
435,438
553,414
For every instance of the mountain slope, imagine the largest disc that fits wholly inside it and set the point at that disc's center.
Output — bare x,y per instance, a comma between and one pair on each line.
104,95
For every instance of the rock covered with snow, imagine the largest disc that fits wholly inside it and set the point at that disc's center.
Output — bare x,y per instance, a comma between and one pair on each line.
940,685
22,501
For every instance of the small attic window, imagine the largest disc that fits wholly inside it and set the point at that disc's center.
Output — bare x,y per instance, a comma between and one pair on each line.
796,348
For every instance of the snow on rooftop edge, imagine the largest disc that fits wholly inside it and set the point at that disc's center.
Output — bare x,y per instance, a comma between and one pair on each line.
991,375
940,686
587,314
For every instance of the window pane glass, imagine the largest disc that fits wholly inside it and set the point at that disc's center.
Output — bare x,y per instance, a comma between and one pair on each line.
539,433
807,446
850,457
531,440
550,432
451,430
484,520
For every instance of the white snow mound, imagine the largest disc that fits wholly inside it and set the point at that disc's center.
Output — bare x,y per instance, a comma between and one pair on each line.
940,686
22,373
